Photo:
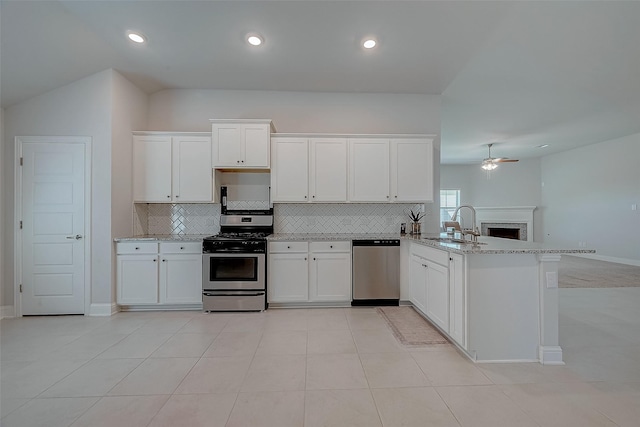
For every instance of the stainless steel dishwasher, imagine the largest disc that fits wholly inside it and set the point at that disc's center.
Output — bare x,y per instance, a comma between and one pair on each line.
376,272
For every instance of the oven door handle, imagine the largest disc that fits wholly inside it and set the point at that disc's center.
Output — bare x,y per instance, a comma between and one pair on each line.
257,294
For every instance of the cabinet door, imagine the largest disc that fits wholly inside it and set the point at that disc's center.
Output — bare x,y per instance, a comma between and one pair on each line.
328,170
369,170
288,278
330,277
417,283
438,295
151,168
226,145
137,279
457,300
192,169
180,279
411,170
255,146
290,170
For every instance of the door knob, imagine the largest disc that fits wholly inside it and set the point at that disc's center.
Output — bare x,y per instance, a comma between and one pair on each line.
77,237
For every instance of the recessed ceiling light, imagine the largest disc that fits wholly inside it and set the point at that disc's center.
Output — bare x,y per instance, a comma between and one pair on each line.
543,146
369,43
136,37
254,40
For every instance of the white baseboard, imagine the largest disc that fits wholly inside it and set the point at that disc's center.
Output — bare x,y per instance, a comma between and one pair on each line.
617,260
551,355
108,309
7,311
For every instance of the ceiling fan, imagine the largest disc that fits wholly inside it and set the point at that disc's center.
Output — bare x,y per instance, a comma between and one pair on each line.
490,163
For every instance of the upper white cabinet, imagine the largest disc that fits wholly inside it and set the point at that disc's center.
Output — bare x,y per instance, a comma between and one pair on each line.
411,170
393,170
241,143
309,169
172,167
369,170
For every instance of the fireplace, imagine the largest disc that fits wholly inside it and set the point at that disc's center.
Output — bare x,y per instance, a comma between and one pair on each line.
506,233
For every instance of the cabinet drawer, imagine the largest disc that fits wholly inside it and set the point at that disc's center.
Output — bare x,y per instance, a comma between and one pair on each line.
431,254
180,247
288,247
330,246
137,248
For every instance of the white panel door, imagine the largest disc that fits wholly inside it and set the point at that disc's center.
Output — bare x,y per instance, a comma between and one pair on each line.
330,277
369,170
417,283
328,170
226,145
192,169
137,279
288,278
438,295
412,170
53,215
255,147
289,170
180,279
152,169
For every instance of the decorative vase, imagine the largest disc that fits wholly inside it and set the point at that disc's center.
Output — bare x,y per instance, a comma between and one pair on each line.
415,227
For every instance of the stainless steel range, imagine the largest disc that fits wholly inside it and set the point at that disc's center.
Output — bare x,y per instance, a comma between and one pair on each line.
234,274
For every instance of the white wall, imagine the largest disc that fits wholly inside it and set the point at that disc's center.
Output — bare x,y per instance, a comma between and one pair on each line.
129,109
190,110
83,109
587,197
511,184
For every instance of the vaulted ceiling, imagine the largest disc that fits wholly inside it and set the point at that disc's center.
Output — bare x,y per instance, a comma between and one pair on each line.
518,74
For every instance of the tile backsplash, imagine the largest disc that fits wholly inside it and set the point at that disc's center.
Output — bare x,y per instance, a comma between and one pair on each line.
341,217
204,218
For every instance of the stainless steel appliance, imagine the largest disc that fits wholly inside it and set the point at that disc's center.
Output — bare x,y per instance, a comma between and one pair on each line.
234,273
376,272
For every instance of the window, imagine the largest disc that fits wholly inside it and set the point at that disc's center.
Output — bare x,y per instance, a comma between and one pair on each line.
449,200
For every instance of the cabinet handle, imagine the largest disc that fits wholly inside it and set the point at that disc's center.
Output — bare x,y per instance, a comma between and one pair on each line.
137,248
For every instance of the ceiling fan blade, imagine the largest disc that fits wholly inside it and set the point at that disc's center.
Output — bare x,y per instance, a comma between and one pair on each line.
505,160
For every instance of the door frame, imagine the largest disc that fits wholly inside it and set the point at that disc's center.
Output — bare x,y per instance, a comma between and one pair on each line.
86,141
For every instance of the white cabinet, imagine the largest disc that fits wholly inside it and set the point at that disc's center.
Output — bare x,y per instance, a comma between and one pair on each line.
162,274
429,284
369,170
411,170
301,272
330,271
241,143
172,168
395,170
309,169
290,170
457,299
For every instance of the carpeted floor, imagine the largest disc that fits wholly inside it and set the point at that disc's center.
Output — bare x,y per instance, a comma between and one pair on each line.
576,272
409,327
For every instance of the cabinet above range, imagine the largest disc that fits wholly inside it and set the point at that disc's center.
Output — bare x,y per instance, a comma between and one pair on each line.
241,144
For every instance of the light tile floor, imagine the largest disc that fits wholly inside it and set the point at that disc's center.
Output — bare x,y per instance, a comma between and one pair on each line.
311,367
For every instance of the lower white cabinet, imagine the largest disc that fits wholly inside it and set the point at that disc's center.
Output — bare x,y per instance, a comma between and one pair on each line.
429,284
165,273
457,299
302,272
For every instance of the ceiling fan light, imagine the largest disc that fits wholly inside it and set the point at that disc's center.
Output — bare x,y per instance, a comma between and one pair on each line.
489,166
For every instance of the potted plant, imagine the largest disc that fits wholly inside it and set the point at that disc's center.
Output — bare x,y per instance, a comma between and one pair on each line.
415,221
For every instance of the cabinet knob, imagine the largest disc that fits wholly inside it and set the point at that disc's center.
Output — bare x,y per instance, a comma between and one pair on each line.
450,259
237,161
314,258
137,248
241,161
177,196
164,260
181,247
331,246
387,197
313,197
396,197
305,197
305,258
154,260
168,197
288,247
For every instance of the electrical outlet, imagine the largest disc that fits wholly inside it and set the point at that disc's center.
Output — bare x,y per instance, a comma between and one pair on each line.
552,279
634,207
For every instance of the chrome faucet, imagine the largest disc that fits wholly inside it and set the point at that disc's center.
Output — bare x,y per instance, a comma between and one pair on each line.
474,232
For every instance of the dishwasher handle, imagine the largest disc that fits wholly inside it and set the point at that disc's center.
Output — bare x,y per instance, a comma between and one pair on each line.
377,242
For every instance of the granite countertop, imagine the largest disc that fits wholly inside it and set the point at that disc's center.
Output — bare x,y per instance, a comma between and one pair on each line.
494,245
163,238
487,245
330,236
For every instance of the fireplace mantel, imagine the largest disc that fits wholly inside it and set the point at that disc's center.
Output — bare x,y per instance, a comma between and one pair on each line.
507,215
